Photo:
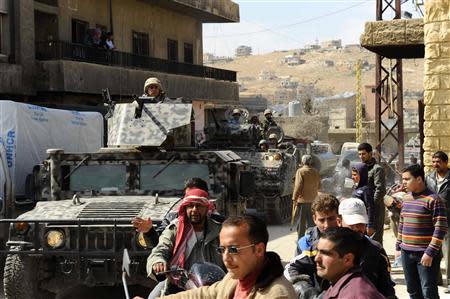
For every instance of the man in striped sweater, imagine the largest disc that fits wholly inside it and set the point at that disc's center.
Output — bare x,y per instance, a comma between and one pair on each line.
422,227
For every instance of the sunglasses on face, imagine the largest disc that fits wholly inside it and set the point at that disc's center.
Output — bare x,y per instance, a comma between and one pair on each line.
231,249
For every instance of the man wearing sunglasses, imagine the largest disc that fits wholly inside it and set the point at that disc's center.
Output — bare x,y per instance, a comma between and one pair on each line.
153,89
252,271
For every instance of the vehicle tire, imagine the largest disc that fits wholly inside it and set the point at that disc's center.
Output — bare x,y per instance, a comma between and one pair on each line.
281,211
21,278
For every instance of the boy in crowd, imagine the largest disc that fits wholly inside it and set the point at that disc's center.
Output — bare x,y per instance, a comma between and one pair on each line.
422,227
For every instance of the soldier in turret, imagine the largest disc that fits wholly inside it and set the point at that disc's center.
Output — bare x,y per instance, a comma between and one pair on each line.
153,89
236,117
267,122
263,145
273,141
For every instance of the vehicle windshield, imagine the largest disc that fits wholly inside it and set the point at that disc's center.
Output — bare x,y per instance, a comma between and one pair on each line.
113,177
99,178
351,155
172,177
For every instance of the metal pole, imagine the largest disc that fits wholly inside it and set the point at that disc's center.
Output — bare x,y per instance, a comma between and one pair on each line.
401,135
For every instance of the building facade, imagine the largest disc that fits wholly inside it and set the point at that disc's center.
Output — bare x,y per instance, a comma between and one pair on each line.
46,55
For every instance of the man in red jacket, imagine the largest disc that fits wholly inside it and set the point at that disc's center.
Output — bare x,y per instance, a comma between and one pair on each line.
337,260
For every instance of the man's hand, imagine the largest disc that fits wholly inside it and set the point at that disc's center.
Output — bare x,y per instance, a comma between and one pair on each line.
426,260
370,231
159,267
397,253
142,225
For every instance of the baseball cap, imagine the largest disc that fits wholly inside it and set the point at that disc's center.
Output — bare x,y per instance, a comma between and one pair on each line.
353,211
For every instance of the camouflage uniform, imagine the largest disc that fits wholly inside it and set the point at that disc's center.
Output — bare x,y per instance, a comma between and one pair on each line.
266,124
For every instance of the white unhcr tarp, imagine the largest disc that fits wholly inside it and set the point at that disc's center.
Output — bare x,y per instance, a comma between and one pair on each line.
27,131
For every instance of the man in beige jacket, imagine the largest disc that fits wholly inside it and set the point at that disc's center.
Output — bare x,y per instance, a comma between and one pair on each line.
306,188
253,273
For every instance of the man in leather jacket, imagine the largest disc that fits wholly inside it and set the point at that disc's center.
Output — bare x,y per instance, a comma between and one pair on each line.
438,181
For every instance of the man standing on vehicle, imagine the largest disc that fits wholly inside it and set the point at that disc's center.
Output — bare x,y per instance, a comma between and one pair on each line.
378,185
438,181
153,88
267,122
192,237
252,271
306,188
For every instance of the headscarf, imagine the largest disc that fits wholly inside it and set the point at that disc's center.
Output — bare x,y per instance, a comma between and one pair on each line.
185,231
363,172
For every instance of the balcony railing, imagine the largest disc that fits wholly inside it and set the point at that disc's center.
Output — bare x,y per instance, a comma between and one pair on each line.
56,50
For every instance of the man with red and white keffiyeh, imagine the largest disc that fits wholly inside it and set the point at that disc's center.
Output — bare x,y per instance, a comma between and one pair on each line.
192,237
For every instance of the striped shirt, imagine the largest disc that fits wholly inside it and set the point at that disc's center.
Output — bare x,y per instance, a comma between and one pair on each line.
423,223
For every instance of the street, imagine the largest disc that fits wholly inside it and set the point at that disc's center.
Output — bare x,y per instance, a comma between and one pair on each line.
282,241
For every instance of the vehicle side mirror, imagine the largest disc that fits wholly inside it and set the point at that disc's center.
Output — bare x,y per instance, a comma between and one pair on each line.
247,184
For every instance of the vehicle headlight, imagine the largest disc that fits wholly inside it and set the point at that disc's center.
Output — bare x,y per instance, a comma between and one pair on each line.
141,240
277,156
21,228
55,238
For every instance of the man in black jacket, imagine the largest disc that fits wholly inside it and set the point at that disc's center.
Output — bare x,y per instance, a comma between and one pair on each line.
377,182
438,181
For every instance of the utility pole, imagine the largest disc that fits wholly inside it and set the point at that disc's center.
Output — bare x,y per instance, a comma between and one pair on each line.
358,118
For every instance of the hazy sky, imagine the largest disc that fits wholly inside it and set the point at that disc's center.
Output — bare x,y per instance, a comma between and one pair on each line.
268,25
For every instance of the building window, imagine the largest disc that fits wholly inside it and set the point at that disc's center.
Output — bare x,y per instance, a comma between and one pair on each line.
140,43
188,53
79,31
172,50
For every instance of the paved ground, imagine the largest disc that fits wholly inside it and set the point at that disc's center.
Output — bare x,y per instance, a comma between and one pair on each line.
282,241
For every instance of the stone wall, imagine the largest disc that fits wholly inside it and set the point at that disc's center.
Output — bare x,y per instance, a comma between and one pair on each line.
437,78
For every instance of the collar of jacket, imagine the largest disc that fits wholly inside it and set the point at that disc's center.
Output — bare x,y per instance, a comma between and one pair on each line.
371,162
212,229
343,281
272,269
433,175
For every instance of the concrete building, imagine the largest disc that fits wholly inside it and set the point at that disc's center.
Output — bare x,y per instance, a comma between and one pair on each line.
243,51
284,95
266,75
45,56
332,44
255,104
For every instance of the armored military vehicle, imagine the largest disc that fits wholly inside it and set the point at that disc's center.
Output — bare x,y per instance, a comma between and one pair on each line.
85,202
274,169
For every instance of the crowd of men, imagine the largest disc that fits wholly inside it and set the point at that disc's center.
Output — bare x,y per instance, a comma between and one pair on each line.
339,250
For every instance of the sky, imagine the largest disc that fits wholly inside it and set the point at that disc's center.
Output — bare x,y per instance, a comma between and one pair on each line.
269,25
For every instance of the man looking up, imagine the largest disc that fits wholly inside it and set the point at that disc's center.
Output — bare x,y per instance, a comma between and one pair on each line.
252,271
438,181
192,237
378,185
421,230
337,261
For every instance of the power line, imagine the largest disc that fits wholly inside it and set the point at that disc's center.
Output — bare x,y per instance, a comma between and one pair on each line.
292,24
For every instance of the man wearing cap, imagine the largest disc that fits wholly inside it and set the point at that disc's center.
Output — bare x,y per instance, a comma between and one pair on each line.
267,122
374,260
153,89
192,237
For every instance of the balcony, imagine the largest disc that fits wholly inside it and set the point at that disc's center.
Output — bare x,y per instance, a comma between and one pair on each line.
59,50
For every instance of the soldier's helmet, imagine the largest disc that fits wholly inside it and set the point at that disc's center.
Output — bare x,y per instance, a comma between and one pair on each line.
152,81
236,111
273,136
262,141
267,111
